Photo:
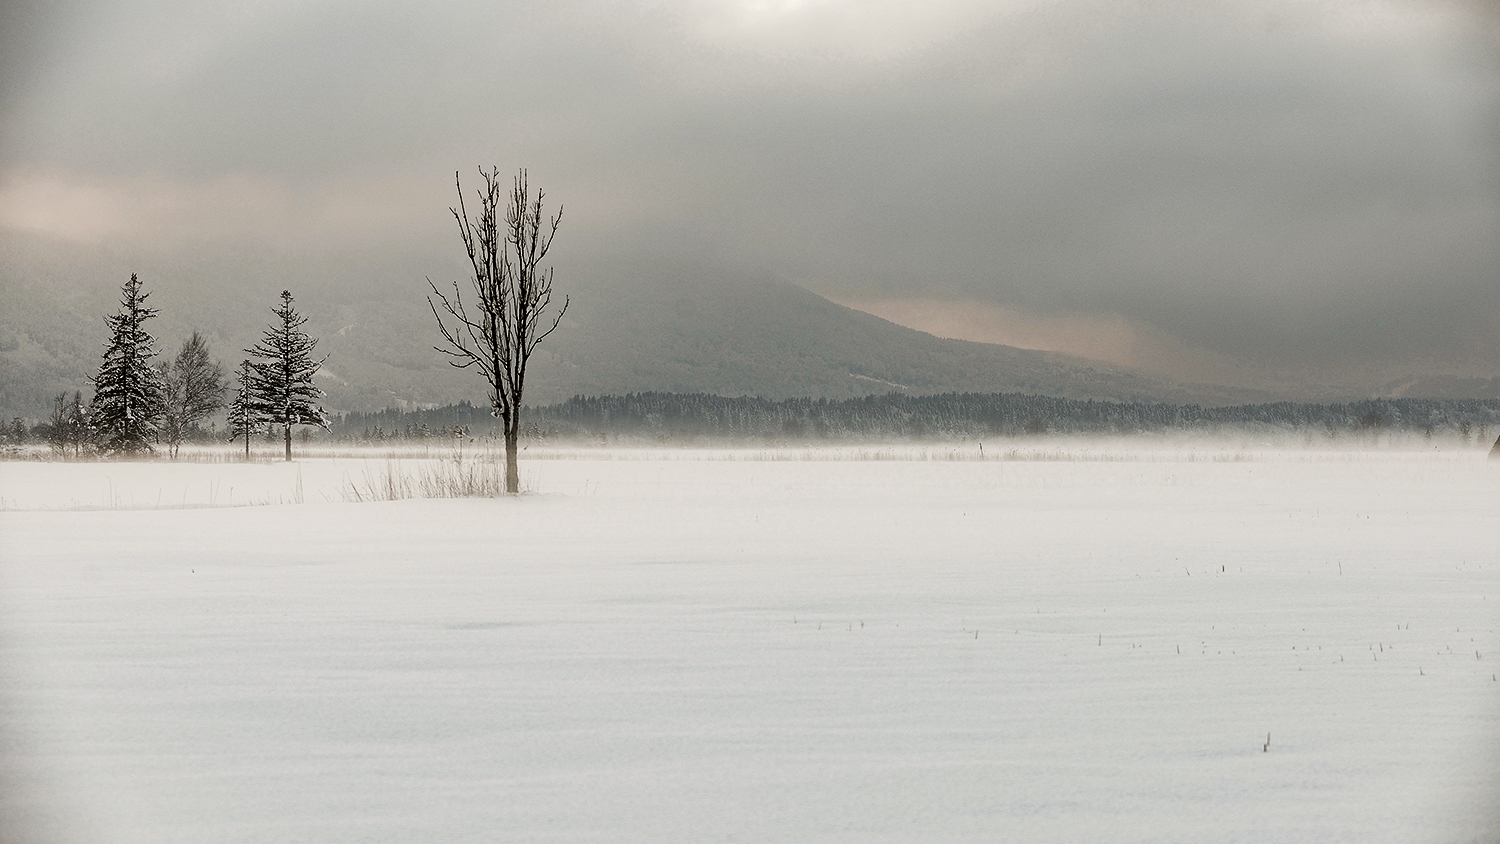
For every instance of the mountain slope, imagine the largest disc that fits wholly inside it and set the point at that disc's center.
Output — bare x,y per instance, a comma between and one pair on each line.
632,326
698,329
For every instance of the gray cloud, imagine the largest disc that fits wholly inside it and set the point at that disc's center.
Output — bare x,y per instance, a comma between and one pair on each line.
1288,185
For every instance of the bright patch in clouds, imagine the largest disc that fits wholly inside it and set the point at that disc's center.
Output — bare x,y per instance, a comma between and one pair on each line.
88,208
1106,337
841,27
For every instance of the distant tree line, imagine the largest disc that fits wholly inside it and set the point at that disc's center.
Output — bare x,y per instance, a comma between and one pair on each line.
684,417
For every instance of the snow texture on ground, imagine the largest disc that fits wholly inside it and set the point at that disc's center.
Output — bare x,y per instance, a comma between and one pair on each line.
756,650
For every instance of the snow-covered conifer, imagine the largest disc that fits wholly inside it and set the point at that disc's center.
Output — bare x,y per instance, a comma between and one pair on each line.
128,390
281,383
243,421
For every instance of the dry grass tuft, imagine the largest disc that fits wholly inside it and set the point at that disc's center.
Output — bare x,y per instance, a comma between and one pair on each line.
459,477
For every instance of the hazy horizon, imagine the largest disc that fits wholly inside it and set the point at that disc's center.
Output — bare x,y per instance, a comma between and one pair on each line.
1260,194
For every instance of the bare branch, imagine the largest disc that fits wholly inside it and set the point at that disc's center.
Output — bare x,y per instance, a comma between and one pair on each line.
510,294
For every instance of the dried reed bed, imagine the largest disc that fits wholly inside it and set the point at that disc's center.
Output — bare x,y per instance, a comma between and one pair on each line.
463,477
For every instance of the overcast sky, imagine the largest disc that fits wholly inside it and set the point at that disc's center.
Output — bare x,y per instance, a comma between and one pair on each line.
1277,185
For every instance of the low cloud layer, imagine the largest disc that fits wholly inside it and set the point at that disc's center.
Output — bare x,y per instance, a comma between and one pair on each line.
1276,186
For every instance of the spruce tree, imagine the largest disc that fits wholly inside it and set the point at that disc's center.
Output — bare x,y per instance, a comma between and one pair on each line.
281,383
128,390
243,421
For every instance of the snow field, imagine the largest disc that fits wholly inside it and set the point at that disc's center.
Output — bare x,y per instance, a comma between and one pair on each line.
758,650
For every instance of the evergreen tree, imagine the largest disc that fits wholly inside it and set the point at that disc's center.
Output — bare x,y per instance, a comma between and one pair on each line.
281,383
243,421
127,390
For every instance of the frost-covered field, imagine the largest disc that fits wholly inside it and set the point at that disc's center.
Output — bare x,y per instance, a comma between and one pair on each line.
742,646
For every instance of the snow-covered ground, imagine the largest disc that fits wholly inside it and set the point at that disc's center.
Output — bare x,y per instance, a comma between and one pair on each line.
758,646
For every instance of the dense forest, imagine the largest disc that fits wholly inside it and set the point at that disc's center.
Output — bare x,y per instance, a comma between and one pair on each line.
686,417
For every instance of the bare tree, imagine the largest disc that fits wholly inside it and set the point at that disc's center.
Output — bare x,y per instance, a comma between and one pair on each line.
193,388
69,427
511,295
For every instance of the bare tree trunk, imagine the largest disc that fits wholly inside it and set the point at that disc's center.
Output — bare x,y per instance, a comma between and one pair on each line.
288,429
512,437
247,443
